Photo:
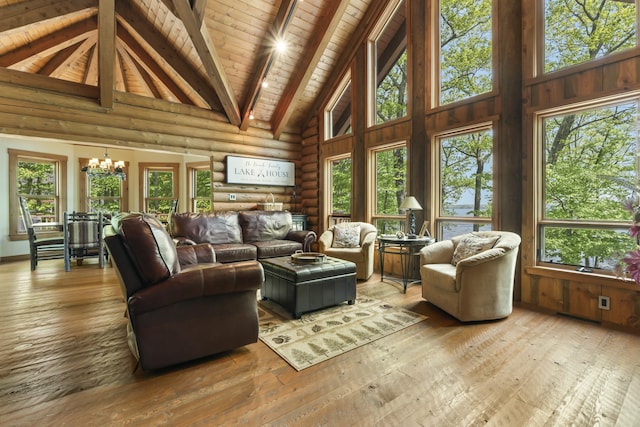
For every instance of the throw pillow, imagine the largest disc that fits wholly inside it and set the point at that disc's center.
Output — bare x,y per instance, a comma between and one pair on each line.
346,236
472,245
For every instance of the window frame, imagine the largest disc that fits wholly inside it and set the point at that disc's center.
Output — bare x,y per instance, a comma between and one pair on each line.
85,194
144,169
15,156
438,218
372,66
540,43
539,220
192,169
334,101
373,200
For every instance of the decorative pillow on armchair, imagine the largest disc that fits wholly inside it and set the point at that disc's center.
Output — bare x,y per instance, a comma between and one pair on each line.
472,245
346,236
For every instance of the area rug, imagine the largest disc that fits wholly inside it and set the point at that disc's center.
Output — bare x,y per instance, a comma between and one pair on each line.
323,334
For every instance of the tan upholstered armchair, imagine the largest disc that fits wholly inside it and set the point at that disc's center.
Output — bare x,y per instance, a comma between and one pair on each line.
471,276
360,250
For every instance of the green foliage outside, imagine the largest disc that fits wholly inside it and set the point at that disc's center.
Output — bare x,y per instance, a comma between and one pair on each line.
341,186
160,191
104,194
465,49
578,31
203,190
581,148
37,182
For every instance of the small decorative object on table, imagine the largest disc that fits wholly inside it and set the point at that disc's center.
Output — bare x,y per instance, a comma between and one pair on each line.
308,257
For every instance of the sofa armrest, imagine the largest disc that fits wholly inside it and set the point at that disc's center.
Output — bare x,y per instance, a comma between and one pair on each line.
198,281
325,241
437,253
195,254
183,241
306,237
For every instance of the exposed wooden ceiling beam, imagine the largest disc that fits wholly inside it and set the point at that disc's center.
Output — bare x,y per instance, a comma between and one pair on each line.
212,64
141,74
318,43
91,70
160,44
138,53
28,12
106,51
278,30
199,6
50,43
65,59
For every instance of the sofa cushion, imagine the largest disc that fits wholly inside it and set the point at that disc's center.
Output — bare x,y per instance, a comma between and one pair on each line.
214,228
275,248
346,235
472,244
261,226
149,246
234,252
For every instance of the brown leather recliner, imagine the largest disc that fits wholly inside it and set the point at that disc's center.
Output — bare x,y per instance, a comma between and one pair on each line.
181,304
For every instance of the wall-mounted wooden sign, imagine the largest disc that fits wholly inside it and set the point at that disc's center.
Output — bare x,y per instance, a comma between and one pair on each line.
256,171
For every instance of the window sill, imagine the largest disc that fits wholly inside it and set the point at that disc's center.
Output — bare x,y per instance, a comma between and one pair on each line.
576,276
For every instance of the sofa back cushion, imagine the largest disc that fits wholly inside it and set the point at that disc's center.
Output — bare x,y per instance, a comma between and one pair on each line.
215,228
259,226
149,246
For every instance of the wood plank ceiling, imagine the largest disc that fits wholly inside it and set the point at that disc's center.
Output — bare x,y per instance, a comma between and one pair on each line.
213,54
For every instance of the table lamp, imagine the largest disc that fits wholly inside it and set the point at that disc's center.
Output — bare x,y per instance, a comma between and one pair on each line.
412,204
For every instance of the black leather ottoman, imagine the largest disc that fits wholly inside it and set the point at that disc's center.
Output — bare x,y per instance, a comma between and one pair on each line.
305,287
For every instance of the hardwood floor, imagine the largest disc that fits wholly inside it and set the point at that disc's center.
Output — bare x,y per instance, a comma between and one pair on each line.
65,361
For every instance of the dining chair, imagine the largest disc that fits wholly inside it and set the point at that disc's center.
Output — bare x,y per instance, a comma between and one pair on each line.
83,237
40,248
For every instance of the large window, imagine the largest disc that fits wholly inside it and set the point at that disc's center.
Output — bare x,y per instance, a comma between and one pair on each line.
160,182
389,46
338,111
41,179
465,49
107,194
199,175
390,177
339,184
588,157
466,182
577,31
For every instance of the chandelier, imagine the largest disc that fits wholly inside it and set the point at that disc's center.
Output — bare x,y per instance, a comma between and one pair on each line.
106,167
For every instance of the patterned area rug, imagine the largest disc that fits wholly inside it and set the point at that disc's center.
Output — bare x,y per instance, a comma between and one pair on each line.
323,334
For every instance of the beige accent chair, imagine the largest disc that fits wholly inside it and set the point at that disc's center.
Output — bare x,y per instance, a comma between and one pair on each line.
478,287
362,256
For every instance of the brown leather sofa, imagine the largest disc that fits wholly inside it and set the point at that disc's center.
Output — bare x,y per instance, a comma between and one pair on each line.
178,297
242,236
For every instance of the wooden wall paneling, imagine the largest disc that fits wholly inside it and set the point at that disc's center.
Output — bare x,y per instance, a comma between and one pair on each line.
581,299
621,75
549,294
624,307
582,84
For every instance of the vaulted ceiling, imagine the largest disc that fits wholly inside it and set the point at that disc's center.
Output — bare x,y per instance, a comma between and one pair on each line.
213,54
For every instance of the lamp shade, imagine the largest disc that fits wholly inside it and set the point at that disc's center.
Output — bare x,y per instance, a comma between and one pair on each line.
410,202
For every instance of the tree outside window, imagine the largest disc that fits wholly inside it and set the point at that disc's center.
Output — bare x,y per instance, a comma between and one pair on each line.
340,186
577,31
41,179
391,82
465,49
160,188
584,222
200,189
466,183
391,188
37,182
